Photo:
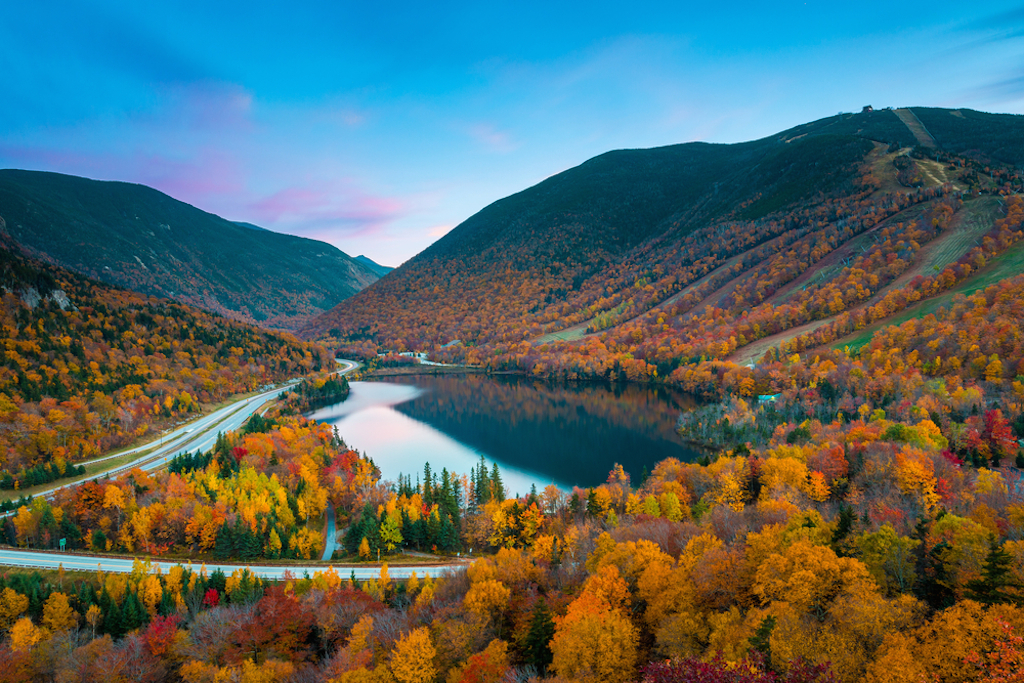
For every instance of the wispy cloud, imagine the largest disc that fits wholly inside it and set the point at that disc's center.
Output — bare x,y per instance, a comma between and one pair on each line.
492,139
999,37
332,208
211,173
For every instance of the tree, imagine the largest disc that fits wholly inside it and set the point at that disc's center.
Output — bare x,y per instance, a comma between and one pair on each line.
997,583
24,635
890,559
12,605
413,658
536,646
57,613
594,643
390,533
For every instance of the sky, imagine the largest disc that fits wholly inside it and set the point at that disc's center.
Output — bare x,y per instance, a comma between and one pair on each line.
380,127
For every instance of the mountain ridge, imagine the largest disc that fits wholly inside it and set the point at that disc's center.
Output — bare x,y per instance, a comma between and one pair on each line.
138,237
632,232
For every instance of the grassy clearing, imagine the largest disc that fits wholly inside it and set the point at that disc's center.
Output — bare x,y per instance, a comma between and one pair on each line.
395,560
1008,264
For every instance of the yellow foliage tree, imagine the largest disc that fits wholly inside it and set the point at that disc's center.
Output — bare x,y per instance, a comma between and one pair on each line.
594,643
487,598
58,614
413,658
24,635
12,605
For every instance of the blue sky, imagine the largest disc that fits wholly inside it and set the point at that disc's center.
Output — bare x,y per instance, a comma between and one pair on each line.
380,127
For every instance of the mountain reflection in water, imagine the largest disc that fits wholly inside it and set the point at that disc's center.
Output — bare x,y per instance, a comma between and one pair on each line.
538,432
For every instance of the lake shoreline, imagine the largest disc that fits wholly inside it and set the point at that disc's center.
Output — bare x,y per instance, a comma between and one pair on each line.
538,431
417,370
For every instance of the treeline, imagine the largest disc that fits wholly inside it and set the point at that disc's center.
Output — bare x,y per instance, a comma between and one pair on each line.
310,394
40,474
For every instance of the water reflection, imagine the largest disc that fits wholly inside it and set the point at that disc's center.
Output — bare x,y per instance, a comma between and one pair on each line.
537,432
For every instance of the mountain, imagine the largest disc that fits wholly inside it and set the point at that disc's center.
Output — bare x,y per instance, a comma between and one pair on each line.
372,265
104,365
640,261
139,238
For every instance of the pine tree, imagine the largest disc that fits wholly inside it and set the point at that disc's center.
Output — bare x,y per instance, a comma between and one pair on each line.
133,615
225,543
448,538
497,487
761,640
996,577
166,606
428,485
113,621
536,645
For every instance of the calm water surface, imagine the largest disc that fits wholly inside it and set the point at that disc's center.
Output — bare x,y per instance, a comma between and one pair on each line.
538,432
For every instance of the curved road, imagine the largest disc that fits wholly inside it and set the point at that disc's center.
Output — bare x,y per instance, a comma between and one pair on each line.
202,435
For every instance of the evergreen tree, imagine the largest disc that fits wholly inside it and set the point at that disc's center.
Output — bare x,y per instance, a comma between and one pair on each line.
448,538
166,606
996,577
575,504
482,483
936,588
70,531
133,615
847,518
761,640
428,485
353,536
113,621
497,487
218,581
536,646
433,531
225,543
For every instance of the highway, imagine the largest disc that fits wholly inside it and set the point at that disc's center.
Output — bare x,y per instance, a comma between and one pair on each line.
123,565
198,435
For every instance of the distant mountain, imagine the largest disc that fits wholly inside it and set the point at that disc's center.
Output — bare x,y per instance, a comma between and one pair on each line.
645,245
139,238
372,265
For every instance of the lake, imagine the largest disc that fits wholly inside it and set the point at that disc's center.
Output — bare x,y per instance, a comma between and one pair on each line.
538,432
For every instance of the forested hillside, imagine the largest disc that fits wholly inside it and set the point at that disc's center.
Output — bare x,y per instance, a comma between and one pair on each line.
87,367
639,262
138,238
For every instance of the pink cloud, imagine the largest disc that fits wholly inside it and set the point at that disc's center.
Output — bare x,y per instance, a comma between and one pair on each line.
324,208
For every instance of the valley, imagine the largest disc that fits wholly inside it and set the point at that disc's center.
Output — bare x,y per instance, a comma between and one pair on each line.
754,411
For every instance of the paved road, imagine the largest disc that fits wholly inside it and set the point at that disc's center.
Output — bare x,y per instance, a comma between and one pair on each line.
123,565
331,542
198,435
201,434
